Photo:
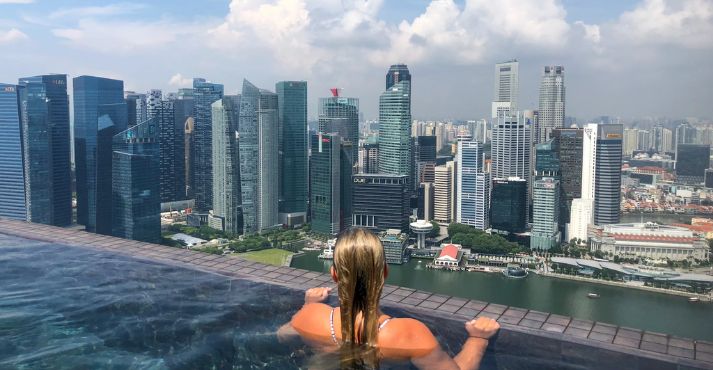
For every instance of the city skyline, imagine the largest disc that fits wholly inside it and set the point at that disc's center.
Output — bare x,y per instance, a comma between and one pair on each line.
670,37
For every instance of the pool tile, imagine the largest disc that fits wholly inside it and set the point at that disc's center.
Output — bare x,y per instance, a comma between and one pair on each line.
448,308
576,332
429,304
401,292
411,301
514,320
581,324
553,328
536,315
680,352
476,305
529,323
628,342
438,298
515,312
703,346
247,270
497,309
489,315
604,328
655,338
602,337
559,320
392,298
680,343
704,356
467,312
420,295
456,301
299,280
653,347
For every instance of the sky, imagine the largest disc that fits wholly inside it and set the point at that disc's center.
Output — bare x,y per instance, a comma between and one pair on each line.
622,58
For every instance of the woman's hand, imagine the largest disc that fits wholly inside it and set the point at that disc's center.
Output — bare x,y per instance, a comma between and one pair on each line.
316,295
482,327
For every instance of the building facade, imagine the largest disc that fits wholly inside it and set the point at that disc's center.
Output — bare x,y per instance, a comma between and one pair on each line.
472,185
505,95
545,214
508,205
204,95
396,74
649,240
227,204
46,149
395,243
258,149
395,129
183,112
369,209
292,121
511,147
136,202
692,160
443,193
99,114
325,183
552,102
12,188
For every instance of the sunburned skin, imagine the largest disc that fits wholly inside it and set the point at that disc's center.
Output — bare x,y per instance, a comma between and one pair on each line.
400,338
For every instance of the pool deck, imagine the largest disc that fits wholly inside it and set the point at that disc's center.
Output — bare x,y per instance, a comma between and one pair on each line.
629,347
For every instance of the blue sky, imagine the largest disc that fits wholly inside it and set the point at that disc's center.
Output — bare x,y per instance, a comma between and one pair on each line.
627,58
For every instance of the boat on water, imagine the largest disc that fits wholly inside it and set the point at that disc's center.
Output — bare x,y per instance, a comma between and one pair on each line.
592,295
515,271
328,253
694,299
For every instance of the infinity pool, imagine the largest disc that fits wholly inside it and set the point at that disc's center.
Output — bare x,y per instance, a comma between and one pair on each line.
74,308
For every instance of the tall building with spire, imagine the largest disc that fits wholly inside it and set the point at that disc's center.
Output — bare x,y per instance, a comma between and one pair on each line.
46,149
506,90
204,95
552,103
258,148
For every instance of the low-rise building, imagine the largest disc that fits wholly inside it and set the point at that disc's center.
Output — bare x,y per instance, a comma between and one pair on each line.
649,240
449,256
395,244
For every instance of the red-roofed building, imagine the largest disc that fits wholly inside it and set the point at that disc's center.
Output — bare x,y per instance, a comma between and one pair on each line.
450,255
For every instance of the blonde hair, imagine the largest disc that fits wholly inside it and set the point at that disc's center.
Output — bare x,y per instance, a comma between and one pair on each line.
359,263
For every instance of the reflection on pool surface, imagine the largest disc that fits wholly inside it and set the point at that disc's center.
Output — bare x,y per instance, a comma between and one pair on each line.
72,308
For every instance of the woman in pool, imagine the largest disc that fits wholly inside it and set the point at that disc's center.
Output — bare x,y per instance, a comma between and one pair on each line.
361,333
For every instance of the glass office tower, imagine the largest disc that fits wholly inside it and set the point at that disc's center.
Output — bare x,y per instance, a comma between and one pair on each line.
508,205
46,151
292,117
204,94
12,188
99,114
226,165
136,202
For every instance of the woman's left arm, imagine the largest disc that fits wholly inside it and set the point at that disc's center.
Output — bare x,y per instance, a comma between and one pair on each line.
287,332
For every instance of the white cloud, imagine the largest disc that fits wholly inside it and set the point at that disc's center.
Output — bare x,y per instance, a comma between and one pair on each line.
12,35
591,31
687,23
122,37
16,1
96,11
178,80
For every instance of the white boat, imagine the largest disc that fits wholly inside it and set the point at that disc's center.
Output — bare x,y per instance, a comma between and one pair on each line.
592,295
328,253
694,299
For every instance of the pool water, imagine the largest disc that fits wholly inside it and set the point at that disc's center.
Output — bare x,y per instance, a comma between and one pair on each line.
74,308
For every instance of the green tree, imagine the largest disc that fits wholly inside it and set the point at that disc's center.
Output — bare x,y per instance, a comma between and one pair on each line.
436,230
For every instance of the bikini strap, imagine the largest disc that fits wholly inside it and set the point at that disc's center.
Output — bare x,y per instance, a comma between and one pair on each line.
331,326
381,326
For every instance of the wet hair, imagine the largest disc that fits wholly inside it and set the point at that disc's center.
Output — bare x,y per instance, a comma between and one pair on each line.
359,262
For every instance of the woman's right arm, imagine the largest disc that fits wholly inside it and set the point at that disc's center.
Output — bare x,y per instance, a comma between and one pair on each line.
479,331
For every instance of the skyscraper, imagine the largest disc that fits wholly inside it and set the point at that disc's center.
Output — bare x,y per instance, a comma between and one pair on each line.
325,183
204,94
692,160
226,166
183,111
511,146
569,154
396,74
369,157
46,149
443,193
424,158
552,99
169,165
508,205
99,114
369,208
547,162
545,214
506,88
631,141
292,111
340,115
601,170
12,188
395,128
685,134
470,184
136,202
258,149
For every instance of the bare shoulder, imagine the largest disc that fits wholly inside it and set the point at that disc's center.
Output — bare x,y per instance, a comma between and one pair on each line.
310,314
409,337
